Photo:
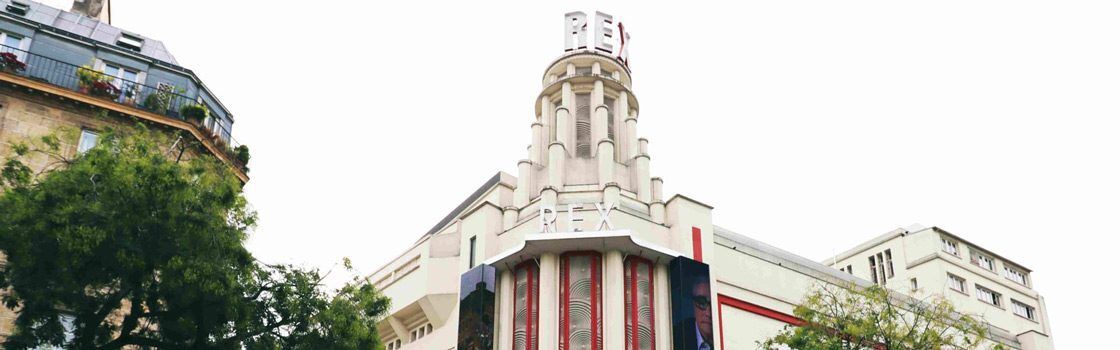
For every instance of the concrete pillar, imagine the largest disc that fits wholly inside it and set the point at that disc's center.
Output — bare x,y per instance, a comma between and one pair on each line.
548,196
599,116
556,157
643,146
565,125
606,162
596,68
509,218
663,326
614,303
399,328
536,149
524,175
655,185
641,180
631,149
657,212
505,311
612,194
550,302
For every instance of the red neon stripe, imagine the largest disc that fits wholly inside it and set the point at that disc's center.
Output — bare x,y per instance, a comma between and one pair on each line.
754,309
697,247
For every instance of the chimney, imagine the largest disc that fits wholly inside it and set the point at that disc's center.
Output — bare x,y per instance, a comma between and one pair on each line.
91,9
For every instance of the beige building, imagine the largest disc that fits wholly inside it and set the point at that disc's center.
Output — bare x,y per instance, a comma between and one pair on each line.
578,250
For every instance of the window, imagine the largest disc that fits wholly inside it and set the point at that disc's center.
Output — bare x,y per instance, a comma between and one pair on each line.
881,267
18,8
87,140
14,44
847,269
1015,275
957,284
639,304
581,296
949,247
889,264
988,296
127,80
984,261
470,263
874,269
131,42
1023,310
526,306
913,284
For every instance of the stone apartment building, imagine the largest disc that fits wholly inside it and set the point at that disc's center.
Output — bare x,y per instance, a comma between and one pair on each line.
72,74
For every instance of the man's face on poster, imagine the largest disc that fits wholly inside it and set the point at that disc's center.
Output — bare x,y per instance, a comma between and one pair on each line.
702,309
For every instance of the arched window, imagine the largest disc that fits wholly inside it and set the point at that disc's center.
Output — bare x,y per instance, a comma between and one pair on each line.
639,304
526,306
581,299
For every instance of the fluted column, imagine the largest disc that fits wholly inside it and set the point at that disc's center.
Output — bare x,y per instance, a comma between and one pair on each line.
550,302
506,287
524,175
606,162
614,303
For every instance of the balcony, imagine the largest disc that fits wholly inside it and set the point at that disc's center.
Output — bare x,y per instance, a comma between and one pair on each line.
162,101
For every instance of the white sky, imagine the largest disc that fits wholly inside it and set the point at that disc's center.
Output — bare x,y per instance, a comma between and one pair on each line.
810,125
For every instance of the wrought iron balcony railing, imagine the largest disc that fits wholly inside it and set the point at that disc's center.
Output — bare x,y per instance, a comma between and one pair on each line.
162,100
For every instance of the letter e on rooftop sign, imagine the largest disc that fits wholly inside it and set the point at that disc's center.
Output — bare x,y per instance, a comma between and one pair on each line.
610,38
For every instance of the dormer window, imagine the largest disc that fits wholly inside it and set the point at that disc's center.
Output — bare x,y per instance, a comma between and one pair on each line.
18,8
130,42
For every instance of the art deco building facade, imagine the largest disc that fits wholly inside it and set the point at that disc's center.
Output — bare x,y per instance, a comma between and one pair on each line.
582,249
73,75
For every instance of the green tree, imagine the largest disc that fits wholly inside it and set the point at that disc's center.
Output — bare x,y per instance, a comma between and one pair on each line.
132,244
855,318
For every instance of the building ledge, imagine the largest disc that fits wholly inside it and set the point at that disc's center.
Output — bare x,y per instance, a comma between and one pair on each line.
206,141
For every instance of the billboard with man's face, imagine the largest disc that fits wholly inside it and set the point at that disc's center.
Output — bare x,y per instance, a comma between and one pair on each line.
691,297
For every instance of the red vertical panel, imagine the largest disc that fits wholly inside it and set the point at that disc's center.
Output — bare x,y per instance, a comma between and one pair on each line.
697,245
595,303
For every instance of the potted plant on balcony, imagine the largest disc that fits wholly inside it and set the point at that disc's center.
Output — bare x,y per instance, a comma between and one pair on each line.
86,77
158,101
194,113
10,63
104,89
130,93
241,155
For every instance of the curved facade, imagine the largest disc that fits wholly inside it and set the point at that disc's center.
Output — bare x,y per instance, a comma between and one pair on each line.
582,249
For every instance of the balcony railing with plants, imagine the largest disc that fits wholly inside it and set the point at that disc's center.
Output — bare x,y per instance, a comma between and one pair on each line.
159,100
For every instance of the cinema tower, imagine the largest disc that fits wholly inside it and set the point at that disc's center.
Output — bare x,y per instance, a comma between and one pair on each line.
582,250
